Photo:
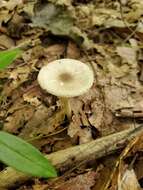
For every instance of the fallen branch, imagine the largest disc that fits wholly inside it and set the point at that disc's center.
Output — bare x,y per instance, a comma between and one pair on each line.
71,156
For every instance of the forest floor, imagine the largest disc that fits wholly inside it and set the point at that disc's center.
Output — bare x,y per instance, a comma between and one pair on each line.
108,36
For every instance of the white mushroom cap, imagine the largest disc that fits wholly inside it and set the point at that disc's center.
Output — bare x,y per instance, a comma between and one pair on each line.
66,78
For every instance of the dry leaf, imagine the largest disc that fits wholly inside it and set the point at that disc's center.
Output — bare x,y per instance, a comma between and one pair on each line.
73,51
141,73
5,16
96,119
117,98
61,2
11,4
6,42
128,54
81,182
16,121
40,187
128,181
76,130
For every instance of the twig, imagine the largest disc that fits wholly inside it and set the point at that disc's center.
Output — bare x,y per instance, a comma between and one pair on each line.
71,156
129,113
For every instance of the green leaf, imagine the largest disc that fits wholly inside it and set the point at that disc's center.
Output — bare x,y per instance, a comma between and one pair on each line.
8,56
22,156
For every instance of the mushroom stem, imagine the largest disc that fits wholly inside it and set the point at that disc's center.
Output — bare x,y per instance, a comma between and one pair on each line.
66,106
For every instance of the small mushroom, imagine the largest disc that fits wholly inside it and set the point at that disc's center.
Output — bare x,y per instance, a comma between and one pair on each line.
66,78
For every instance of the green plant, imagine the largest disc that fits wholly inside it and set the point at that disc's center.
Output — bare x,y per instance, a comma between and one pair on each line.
8,56
24,157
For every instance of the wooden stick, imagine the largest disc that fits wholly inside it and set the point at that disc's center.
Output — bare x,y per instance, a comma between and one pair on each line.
70,157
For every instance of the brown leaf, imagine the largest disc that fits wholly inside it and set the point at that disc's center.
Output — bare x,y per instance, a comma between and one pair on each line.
4,16
81,182
11,4
76,131
115,97
128,54
40,187
6,42
141,73
73,51
15,121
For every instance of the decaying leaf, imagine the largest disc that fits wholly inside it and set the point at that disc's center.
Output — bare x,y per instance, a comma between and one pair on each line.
58,20
6,9
128,181
16,121
73,51
40,187
6,42
61,2
79,131
4,16
83,181
11,4
128,54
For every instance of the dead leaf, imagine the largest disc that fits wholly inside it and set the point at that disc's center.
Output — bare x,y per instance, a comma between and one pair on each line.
58,20
128,54
40,187
11,4
128,181
73,51
16,121
61,2
76,130
29,8
139,168
141,73
116,97
18,76
83,182
5,16
135,15
96,119
43,122
53,52
118,71
81,37
6,42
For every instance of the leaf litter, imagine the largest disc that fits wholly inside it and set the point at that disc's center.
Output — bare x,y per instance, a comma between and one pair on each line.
108,37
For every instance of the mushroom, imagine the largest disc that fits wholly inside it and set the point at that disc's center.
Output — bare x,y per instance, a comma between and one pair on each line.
66,78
